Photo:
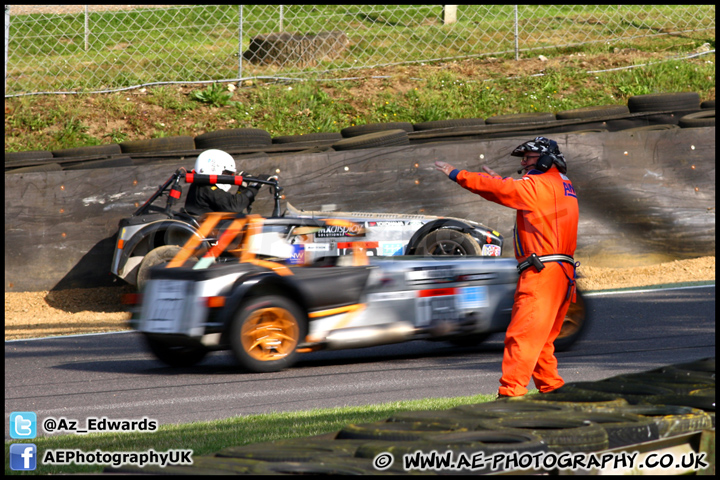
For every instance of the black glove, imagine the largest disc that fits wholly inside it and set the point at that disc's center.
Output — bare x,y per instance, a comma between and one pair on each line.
252,184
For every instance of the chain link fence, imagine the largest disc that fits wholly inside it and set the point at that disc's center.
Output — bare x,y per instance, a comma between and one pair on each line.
97,48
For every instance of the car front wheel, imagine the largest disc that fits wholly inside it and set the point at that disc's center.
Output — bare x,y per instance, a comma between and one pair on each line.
266,332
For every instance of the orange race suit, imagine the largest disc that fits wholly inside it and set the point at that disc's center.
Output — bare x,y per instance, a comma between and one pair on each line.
546,223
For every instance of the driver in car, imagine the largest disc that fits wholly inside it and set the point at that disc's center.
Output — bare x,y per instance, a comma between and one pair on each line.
217,198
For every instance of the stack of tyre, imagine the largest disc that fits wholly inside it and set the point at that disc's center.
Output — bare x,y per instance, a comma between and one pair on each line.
662,111
616,412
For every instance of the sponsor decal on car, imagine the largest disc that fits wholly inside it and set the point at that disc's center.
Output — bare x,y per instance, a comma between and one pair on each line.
340,231
298,255
489,250
391,248
317,247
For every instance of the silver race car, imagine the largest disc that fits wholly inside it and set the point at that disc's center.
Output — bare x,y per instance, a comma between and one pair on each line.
153,234
217,293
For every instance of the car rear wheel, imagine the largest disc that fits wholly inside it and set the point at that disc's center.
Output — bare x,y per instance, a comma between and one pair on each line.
266,332
176,355
446,241
575,324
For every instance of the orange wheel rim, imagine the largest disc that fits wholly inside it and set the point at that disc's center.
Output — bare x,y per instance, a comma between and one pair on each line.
573,320
270,334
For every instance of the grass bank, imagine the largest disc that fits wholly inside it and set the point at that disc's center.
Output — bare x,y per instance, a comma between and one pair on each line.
206,438
475,88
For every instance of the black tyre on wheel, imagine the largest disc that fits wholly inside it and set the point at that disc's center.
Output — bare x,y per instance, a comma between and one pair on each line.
157,256
13,157
708,104
446,241
577,322
176,355
265,333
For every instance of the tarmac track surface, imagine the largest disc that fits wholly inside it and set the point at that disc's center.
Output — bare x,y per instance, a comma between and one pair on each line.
112,375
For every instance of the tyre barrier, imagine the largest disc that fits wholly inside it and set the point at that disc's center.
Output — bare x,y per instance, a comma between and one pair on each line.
571,419
578,400
386,138
633,392
233,138
687,112
358,130
562,434
671,420
703,118
656,102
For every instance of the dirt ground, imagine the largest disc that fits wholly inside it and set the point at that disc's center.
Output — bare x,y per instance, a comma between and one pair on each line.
75,311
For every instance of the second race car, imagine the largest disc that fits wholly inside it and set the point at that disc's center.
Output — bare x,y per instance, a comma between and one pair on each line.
217,294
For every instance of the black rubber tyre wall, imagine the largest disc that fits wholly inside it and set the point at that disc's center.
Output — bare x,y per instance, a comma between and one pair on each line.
152,145
358,130
578,400
560,434
593,112
389,138
655,102
309,137
708,104
622,428
458,122
11,157
536,117
109,149
632,392
46,167
234,138
671,419
704,118
105,163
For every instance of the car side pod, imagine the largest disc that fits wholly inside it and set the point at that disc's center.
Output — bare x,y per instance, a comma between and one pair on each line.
372,335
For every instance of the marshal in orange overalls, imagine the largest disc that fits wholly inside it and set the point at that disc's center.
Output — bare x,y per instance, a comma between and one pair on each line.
546,223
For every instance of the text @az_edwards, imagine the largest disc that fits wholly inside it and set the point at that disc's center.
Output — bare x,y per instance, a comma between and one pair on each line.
96,425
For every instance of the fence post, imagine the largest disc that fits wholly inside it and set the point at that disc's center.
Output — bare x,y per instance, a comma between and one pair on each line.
282,29
7,39
517,43
449,14
240,52
87,47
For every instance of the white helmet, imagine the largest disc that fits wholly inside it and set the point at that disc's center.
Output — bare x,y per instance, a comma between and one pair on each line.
215,162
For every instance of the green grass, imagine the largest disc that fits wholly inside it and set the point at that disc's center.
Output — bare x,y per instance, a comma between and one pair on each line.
192,43
206,438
